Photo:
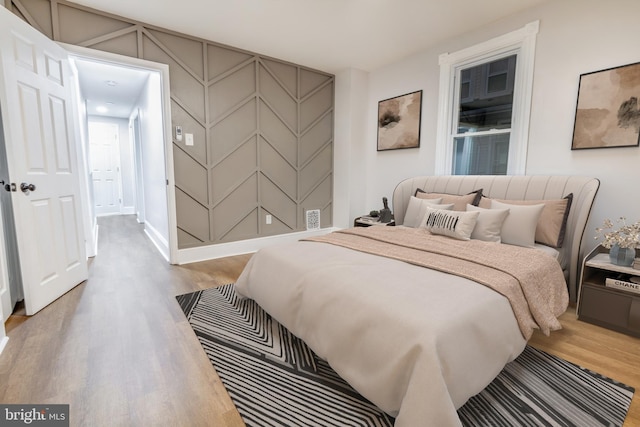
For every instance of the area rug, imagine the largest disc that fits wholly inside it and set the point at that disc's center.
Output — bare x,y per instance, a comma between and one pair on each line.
274,378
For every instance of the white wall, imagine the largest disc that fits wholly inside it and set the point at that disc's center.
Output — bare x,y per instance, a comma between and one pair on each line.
576,37
350,142
153,163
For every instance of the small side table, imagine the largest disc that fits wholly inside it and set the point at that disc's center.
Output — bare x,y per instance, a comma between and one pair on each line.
606,306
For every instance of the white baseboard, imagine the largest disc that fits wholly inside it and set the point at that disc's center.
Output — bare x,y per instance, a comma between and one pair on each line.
127,210
158,240
3,343
95,240
221,250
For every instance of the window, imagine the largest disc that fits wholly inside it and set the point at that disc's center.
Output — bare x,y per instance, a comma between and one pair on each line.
485,99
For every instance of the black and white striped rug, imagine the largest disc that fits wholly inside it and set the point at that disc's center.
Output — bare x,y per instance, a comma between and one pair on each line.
274,379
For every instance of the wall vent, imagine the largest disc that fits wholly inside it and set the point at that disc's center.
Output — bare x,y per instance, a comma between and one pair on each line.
313,219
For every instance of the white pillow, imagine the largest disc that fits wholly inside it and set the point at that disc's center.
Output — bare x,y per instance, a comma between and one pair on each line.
417,208
489,223
519,227
456,224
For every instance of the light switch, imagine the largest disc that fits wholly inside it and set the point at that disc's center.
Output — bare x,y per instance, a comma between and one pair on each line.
188,138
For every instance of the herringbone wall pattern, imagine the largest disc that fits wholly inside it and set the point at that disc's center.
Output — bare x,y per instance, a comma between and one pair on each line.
263,128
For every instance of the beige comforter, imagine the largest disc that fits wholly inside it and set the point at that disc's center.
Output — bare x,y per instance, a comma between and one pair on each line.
531,280
415,341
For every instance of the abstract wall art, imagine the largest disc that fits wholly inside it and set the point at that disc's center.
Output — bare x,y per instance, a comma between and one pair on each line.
399,121
607,112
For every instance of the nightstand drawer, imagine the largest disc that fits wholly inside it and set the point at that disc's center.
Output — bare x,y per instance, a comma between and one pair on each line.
611,309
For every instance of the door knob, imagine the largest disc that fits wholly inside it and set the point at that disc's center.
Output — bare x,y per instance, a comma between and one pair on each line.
26,188
10,187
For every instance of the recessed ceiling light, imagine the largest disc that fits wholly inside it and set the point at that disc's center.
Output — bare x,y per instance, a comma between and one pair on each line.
101,109
111,82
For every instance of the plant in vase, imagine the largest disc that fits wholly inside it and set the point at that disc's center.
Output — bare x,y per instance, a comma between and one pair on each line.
621,242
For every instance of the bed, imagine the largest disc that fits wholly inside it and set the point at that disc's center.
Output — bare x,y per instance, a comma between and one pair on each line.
414,319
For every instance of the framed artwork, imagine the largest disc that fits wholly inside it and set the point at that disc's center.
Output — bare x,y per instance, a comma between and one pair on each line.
607,113
399,121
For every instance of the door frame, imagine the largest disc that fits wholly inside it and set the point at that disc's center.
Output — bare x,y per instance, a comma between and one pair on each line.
136,144
163,70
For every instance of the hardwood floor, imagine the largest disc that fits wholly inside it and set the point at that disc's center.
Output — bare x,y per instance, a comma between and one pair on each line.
118,349
609,353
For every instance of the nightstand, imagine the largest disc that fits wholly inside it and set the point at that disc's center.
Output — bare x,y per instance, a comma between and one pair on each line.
367,221
603,305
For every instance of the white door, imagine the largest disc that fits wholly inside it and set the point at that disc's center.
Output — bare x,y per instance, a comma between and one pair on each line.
104,151
6,307
36,95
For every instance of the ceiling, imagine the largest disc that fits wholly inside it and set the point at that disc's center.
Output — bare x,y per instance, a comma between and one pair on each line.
328,35
108,86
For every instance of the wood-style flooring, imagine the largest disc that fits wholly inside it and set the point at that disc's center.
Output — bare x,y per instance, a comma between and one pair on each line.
119,351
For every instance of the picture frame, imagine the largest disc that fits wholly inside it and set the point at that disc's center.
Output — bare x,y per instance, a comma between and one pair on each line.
399,121
607,111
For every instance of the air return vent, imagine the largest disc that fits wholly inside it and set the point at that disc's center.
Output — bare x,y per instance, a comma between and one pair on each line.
313,219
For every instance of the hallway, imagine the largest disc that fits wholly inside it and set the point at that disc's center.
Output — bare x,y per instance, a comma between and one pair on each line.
117,348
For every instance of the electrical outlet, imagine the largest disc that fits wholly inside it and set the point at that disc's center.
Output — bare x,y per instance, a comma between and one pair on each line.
268,219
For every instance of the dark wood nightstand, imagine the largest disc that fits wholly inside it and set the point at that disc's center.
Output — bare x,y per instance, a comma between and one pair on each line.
607,306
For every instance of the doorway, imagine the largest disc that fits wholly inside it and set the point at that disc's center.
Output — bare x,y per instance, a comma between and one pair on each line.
133,93
74,177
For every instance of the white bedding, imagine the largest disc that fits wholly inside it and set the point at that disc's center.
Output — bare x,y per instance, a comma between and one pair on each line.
391,329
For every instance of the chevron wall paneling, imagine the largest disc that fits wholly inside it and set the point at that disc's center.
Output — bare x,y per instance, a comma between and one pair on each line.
264,126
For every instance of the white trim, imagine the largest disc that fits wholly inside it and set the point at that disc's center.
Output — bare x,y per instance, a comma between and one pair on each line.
222,250
81,139
170,175
522,41
158,241
94,249
3,342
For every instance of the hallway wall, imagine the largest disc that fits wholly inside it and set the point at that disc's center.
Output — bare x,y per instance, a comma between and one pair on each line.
262,128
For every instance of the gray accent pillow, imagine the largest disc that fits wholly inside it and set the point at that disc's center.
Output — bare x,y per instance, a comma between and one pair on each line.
459,201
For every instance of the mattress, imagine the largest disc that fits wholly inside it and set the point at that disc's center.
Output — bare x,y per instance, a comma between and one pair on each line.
414,341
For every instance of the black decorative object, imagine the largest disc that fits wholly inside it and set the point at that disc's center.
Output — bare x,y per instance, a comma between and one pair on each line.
385,213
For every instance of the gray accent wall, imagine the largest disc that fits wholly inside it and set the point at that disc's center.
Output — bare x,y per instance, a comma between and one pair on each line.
262,128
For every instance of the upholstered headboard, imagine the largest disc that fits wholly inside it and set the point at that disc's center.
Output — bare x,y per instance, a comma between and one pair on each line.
531,187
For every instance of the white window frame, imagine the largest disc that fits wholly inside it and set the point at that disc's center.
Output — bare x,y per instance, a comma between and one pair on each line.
521,42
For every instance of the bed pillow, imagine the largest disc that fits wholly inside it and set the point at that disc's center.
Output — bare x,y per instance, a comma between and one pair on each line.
412,210
456,224
552,223
489,223
459,202
519,227
417,208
